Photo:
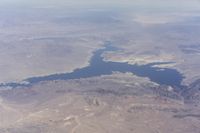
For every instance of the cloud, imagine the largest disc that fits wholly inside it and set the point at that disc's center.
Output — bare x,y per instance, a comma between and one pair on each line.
154,19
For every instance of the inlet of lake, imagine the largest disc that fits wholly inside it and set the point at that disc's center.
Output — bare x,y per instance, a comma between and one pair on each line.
98,67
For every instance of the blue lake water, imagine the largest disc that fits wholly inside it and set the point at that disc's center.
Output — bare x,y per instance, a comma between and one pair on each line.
97,67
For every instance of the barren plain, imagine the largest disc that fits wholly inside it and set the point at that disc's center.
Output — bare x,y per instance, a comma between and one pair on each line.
52,40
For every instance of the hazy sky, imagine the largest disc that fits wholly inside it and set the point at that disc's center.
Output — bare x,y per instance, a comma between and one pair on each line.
185,4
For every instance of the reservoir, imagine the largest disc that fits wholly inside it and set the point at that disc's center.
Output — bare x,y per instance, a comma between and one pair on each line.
98,67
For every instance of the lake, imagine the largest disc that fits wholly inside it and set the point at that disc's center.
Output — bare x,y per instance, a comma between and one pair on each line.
98,67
